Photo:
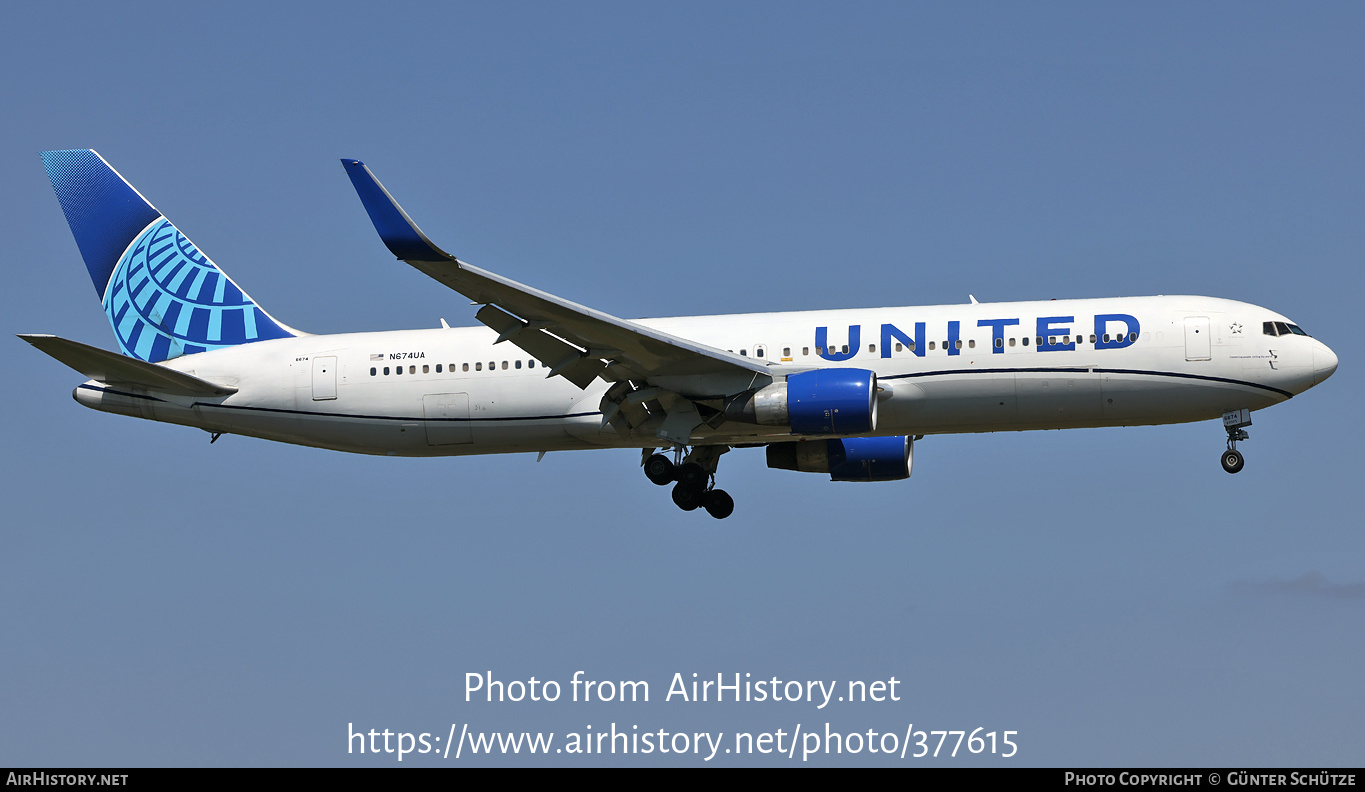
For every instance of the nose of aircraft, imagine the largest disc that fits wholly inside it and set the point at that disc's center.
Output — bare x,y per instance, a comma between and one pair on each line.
1324,362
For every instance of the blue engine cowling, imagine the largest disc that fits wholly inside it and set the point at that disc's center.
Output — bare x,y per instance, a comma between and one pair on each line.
849,459
832,401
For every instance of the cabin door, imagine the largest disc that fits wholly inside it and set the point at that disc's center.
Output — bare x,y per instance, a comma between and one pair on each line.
324,378
1198,338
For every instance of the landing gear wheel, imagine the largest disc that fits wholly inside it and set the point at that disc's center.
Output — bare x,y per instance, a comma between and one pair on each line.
685,497
718,504
660,470
693,476
1235,421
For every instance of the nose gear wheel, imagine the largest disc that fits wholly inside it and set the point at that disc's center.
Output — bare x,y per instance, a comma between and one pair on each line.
1234,422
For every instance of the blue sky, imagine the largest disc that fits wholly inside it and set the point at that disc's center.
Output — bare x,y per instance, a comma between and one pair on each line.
1110,594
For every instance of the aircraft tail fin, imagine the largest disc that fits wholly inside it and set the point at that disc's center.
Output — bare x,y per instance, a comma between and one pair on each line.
163,297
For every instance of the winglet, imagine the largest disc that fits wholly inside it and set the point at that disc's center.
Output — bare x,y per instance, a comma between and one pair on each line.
400,234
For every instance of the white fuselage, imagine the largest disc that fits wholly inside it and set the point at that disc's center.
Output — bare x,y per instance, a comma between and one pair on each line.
1192,358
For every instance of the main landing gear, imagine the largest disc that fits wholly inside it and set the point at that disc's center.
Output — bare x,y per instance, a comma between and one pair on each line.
693,478
1235,422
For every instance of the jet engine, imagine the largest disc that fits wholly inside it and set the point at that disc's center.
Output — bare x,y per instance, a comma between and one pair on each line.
848,459
823,401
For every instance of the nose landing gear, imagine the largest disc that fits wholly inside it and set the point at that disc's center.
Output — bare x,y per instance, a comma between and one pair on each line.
693,479
1234,422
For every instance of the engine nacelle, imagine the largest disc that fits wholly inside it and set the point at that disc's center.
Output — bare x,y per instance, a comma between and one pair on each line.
849,459
823,401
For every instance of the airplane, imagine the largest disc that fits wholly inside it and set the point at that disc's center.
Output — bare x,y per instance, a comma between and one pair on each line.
845,393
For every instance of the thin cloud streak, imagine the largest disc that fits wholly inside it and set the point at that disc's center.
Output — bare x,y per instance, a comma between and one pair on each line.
1310,583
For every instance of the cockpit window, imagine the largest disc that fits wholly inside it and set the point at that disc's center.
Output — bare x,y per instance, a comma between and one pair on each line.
1282,329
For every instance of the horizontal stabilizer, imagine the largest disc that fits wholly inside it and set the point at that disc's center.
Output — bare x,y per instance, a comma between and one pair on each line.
115,369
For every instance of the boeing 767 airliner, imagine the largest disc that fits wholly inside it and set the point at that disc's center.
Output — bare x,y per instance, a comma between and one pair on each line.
842,392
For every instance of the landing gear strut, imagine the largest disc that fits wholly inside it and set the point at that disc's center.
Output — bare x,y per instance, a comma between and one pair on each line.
693,478
1234,422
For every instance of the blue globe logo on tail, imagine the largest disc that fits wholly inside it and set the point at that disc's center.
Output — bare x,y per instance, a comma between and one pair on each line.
163,297
166,299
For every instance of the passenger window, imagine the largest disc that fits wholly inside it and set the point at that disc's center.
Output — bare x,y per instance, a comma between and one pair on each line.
397,371
871,347
1025,340
464,367
805,351
530,364
843,349
819,350
1066,339
786,351
744,353
518,364
912,346
760,352
478,367
999,343
900,348
372,371
957,344
1011,342
1106,338
504,365
386,371
971,343
412,369
426,369
438,368
1132,337
931,345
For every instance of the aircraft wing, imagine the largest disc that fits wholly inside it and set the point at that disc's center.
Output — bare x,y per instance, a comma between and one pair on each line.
115,369
571,340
